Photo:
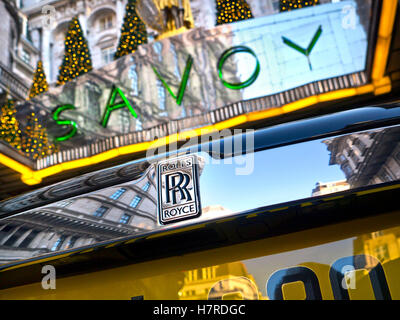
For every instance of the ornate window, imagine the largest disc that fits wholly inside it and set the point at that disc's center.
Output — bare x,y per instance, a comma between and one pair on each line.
57,245
106,22
135,201
100,211
107,55
125,218
117,194
146,187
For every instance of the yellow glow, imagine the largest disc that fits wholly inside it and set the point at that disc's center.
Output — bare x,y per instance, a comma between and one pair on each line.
15,165
339,94
389,9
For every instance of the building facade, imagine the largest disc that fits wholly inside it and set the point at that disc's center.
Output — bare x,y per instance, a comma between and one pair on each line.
367,158
322,188
109,213
101,21
18,55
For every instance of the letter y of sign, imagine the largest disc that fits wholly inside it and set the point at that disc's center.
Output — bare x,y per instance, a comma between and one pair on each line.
307,51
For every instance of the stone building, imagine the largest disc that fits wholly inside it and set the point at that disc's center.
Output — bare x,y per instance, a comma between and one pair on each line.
103,215
231,281
18,55
322,188
101,22
367,158
383,245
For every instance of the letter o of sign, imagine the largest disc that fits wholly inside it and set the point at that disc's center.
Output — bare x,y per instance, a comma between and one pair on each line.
376,276
225,55
303,274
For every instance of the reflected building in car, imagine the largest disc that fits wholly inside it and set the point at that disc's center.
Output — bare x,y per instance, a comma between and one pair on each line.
322,188
383,245
107,214
230,280
367,158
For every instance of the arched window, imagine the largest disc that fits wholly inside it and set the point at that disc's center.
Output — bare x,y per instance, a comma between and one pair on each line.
106,22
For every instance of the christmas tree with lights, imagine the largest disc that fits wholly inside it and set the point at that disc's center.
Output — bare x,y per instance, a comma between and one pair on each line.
77,60
133,32
9,126
232,10
35,143
39,84
287,5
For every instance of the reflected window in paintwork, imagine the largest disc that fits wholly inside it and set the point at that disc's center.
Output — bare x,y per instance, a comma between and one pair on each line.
5,231
27,241
146,187
16,235
57,245
135,201
382,252
63,204
386,176
161,95
100,211
71,242
117,194
125,218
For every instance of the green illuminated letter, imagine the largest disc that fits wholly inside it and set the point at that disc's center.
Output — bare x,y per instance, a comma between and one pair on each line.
74,126
183,84
111,105
307,51
226,55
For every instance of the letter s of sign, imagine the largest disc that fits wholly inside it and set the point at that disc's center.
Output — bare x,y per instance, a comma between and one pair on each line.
56,115
49,280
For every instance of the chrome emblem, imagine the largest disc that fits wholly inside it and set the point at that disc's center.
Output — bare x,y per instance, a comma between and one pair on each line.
178,191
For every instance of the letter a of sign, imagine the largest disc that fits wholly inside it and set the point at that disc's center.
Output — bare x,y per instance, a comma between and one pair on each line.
111,105
183,84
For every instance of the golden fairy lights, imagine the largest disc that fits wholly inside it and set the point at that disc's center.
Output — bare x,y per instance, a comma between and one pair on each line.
133,32
33,142
232,10
287,5
9,126
39,84
77,58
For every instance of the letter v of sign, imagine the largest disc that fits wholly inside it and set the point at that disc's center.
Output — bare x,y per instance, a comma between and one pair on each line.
307,51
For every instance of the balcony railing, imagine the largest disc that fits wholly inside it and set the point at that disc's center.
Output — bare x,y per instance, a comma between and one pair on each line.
11,83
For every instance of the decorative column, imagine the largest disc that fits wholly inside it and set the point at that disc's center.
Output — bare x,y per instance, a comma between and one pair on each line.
45,48
120,16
